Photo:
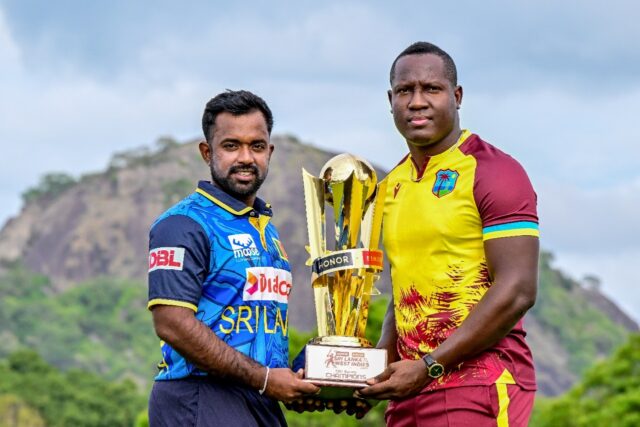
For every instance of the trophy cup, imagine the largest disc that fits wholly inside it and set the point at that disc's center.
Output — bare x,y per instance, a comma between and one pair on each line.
340,358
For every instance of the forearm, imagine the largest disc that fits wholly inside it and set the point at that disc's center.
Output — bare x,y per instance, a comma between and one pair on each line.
513,265
199,345
389,336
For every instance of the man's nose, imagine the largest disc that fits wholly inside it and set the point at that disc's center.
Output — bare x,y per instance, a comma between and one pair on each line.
418,100
245,155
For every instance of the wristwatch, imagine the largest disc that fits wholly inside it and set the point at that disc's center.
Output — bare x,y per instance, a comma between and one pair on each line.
434,369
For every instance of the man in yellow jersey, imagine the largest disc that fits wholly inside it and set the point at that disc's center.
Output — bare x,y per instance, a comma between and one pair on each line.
461,233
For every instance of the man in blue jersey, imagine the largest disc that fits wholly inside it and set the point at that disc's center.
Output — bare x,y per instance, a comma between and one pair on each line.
219,282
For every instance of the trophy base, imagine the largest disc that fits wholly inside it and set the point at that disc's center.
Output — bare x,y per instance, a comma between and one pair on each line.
342,363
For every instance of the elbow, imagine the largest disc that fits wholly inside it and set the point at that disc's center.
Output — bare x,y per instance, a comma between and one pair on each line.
167,323
163,331
526,297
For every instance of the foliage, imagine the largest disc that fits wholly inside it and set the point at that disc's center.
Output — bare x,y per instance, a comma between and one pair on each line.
143,155
50,185
14,412
563,308
102,325
75,398
609,394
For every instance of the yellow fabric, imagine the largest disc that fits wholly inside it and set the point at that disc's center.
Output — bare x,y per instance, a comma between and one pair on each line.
160,301
503,405
511,233
260,223
439,267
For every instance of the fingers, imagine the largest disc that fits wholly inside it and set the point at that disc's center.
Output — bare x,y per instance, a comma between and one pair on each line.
308,388
385,375
377,391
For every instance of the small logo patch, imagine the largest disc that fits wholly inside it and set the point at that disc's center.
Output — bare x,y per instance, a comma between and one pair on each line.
243,246
280,248
395,190
445,182
267,284
166,259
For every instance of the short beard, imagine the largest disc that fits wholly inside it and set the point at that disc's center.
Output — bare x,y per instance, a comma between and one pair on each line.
231,188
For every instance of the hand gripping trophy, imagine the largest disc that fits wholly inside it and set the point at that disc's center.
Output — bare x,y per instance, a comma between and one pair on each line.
340,358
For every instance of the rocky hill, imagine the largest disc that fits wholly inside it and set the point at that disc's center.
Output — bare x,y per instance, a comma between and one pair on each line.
97,226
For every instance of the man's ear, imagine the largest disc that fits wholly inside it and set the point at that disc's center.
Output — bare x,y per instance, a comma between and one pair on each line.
389,96
458,94
205,151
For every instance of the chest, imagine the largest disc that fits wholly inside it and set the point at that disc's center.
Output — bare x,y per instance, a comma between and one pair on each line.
439,207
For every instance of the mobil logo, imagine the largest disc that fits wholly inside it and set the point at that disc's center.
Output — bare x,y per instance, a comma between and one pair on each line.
166,259
267,284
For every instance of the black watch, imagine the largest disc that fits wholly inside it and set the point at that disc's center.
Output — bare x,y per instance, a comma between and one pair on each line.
434,369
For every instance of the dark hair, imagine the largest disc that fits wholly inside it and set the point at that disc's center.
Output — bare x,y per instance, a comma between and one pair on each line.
236,102
422,48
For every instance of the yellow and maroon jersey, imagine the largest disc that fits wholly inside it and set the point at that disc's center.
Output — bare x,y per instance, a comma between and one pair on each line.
436,219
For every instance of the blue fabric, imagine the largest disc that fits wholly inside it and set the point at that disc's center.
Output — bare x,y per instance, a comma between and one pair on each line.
236,277
208,402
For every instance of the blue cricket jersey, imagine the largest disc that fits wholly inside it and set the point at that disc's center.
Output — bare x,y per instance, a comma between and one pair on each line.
224,260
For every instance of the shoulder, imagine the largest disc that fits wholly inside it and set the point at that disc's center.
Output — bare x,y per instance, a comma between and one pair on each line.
490,160
495,168
502,189
177,229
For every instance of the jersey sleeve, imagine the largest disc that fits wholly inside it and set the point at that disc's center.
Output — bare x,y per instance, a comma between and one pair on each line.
178,262
505,198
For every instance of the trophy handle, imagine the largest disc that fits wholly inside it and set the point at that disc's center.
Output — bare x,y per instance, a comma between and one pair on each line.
314,205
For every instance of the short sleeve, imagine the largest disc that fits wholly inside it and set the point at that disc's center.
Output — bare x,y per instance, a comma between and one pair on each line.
178,262
505,197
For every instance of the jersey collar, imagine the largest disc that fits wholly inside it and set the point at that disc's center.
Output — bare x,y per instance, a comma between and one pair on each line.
230,204
420,170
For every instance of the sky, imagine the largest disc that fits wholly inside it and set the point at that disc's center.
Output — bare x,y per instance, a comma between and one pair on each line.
554,84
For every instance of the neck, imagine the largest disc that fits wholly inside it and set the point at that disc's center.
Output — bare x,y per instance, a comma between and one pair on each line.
421,152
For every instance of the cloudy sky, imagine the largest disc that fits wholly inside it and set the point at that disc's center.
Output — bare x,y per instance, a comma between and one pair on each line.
555,84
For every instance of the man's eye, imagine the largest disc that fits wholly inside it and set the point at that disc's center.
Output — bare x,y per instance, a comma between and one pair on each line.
229,146
259,147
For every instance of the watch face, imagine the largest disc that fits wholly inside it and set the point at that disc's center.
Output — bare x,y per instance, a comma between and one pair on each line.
436,370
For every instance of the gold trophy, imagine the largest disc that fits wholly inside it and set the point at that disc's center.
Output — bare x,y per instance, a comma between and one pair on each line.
342,279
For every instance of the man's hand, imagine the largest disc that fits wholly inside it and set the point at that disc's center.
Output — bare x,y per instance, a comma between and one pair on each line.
401,379
198,344
285,385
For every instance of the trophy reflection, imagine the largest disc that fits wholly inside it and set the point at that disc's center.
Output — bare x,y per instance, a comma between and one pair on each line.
343,278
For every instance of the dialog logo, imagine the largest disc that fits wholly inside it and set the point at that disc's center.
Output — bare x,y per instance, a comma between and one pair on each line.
243,246
267,284
166,259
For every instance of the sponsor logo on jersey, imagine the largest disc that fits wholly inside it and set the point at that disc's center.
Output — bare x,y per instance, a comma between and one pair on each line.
445,182
166,259
267,284
243,246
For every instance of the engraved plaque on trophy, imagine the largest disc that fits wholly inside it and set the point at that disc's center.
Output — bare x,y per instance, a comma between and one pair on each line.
343,277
